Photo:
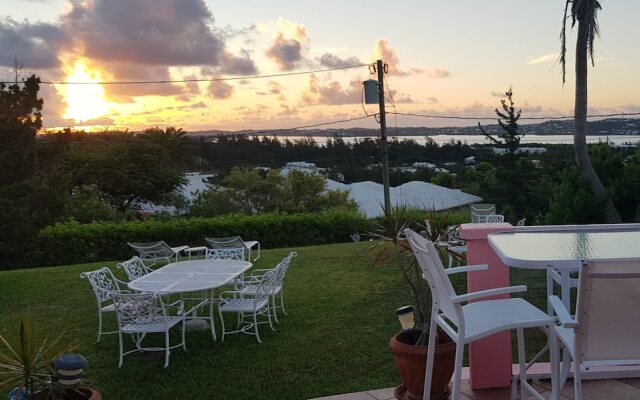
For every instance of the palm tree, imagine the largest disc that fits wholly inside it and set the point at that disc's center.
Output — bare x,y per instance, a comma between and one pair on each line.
585,13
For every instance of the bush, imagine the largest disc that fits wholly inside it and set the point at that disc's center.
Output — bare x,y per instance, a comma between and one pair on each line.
73,243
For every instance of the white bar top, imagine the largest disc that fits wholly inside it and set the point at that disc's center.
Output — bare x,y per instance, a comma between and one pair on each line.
566,246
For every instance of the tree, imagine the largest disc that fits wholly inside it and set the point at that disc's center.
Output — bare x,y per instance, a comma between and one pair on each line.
585,13
20,119
508,121
175,141
126,172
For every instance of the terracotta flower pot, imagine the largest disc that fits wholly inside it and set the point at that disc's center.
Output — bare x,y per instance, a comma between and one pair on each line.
80,393
411,363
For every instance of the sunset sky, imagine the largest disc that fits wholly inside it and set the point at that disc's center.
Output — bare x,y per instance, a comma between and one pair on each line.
454,57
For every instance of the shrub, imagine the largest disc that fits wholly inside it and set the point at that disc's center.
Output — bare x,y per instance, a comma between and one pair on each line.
72,243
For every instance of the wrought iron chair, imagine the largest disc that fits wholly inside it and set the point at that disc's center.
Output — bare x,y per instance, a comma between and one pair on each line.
226,248
104,285
250,283
245,304
605,328
134,268
229,247
157,251
143,313
493,219
472,321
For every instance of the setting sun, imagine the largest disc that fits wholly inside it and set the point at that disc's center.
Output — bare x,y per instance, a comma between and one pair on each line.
84,101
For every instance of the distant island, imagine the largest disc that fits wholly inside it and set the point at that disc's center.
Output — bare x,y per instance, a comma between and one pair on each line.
603,127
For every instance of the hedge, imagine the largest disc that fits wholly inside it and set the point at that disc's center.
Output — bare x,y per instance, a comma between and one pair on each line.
73,243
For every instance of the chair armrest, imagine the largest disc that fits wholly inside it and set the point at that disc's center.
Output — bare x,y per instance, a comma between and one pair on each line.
488,292
223,295
467,268
561,312
121,283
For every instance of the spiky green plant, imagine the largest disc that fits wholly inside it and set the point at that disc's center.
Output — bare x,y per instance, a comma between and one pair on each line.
25,359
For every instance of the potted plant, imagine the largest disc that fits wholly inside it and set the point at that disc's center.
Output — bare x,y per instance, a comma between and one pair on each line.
410,346
27,368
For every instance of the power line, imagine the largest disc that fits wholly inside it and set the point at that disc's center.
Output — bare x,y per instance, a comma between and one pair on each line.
522,118
233,78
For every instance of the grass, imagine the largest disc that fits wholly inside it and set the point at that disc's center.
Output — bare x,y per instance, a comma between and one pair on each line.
334,340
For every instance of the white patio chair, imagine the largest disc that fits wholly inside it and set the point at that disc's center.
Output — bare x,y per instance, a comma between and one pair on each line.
104,286
226,248
143,313
493,219
253,304
479,210
134,268
230,247
606,326
475,320
521,222
455,245
250,283
157,251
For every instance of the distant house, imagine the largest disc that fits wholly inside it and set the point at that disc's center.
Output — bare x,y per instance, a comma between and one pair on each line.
302,166
520,150
195,182
424,165
427,196
471,160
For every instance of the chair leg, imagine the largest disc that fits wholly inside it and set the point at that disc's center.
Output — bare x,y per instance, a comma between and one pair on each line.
554,358
255,326
282,301
577,378
221,325
121,347
184,341
269,316
274,307
166,348
99,323
457,372
431,349
524,392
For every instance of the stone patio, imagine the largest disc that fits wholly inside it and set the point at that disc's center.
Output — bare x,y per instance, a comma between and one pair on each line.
613,389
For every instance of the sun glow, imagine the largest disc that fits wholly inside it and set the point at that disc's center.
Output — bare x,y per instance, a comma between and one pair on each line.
84,101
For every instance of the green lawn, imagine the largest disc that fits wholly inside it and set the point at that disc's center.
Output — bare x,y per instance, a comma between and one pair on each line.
334,340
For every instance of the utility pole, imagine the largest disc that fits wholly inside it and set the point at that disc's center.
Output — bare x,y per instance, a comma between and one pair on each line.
383,136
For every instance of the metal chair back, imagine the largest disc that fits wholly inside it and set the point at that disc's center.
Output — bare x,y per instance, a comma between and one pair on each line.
134,268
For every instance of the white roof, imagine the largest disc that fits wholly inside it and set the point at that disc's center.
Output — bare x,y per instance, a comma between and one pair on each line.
370,196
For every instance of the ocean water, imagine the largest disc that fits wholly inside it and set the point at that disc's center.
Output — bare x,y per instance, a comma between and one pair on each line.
480,139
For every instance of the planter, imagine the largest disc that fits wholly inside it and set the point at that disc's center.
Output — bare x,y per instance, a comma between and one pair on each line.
411,363
80,393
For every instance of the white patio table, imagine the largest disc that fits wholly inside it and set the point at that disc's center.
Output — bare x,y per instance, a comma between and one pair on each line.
563,249
192,276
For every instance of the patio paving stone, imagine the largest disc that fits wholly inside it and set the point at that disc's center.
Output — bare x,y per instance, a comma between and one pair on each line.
615,389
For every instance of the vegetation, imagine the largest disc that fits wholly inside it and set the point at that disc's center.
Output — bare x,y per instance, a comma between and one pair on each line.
508,122
76,243
333,340
26,358
585,13
249,191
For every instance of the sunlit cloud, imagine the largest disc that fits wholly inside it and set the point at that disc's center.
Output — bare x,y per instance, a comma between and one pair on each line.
288,47
438,73
545,59
383,51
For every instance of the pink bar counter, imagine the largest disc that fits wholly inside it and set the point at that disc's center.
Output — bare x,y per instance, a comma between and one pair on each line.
489,358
